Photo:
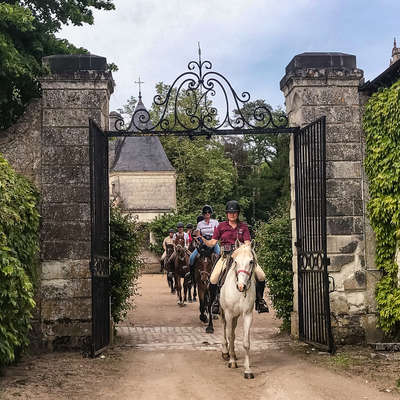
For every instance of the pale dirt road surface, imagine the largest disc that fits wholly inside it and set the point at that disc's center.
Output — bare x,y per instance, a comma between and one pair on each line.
162,352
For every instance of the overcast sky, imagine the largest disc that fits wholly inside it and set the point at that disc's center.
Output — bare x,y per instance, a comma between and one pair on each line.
249,41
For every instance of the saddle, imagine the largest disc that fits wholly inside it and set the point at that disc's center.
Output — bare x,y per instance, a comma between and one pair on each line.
227,253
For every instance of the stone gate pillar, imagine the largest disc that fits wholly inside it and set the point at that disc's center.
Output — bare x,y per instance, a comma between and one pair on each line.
317,84
77,89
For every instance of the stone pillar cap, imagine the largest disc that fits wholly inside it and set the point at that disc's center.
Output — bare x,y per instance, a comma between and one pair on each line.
319,60
70,63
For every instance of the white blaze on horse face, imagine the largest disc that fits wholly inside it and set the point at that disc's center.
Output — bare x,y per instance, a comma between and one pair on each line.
243,266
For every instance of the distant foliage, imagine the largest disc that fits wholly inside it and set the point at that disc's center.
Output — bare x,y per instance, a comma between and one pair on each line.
160,226
126,239
19,224
274,252
27,33
382,164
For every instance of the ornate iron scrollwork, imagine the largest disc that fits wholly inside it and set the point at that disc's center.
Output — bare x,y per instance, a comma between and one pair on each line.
201,83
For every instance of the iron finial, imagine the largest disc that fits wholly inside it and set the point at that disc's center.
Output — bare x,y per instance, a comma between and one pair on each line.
139,82
198,43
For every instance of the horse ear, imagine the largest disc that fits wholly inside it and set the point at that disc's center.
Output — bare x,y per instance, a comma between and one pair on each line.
253,244
237,243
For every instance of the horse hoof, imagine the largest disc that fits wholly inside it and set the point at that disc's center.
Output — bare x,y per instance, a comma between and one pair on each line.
248,375
209,329
203,318
190,301
232,365
225,356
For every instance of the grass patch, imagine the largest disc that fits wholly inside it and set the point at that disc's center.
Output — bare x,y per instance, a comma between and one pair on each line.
341,360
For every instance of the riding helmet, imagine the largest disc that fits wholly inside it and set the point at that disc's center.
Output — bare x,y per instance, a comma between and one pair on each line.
200,218
171,230
232,206
189,226
207,208
180,225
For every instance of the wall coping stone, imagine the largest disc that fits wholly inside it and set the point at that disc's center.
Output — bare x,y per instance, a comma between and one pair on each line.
61,63
315,64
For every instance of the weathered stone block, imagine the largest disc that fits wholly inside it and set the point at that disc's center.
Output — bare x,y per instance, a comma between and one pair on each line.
338,303
345,244
338,261
66,269
71,117
65,193
343,169
74,98
334,114
65,288
56,136
74,309
340,225
343,152
339,207
74,250
343,133
330,96
344,188
76,174
65,212
65,155
356,302
65,230
357,281
66,327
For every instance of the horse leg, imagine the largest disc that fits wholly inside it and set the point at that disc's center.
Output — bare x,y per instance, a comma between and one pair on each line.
178,287
203,317
247,321
210,327
225,354
194,284
230,332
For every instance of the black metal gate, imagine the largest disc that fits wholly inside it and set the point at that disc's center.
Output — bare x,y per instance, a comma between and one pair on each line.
313,280
100,235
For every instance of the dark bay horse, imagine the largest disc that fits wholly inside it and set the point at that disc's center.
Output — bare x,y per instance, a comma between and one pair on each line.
169,267
203,268
181,270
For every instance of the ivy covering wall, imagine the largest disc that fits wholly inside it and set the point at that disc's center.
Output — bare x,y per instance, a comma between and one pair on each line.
382,164
19,224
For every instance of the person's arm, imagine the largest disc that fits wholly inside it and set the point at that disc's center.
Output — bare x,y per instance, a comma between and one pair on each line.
164,245
210,243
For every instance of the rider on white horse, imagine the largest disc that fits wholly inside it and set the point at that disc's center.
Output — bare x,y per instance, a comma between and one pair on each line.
228,232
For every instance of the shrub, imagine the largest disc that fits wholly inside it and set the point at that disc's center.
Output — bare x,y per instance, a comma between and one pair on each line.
160,226
19,224
274,251
126,239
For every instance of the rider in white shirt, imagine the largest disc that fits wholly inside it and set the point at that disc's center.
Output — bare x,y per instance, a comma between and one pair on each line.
206,229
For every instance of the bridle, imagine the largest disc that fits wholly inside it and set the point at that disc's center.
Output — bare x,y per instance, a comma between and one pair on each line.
180,252
248,273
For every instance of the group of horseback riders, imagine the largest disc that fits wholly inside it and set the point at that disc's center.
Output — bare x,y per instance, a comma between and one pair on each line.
221,239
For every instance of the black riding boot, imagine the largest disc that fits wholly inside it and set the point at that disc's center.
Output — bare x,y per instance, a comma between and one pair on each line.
214,298
261,305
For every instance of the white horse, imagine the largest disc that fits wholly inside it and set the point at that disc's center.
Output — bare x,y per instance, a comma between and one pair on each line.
237,299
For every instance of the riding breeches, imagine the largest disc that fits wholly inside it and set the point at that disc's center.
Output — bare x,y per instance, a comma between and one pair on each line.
163,255
221,265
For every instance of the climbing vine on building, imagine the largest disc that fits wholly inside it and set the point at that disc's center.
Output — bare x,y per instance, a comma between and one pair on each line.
382,164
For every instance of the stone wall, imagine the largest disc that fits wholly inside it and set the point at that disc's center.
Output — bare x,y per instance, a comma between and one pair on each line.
318,84
50,144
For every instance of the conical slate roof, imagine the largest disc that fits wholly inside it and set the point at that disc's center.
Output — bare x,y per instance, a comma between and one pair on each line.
142,153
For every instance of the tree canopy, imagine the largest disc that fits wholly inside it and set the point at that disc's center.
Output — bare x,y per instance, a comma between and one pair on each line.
27,33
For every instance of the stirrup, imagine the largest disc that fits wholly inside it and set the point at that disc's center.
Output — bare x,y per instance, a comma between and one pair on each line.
261,306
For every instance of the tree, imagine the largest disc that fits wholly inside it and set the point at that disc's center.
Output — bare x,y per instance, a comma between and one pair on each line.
204,173
27,33
262,164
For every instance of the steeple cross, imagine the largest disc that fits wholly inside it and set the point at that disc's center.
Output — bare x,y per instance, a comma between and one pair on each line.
139,82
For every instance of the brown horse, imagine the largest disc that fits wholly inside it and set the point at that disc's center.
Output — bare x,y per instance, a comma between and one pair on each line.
203,267
169,266
182,270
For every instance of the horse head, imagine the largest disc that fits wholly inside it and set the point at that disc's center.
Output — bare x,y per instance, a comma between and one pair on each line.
243,262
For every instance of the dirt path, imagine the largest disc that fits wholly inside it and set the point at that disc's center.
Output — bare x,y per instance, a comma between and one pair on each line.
163,353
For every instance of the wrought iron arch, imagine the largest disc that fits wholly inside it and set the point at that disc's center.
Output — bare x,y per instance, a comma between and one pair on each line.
200,83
